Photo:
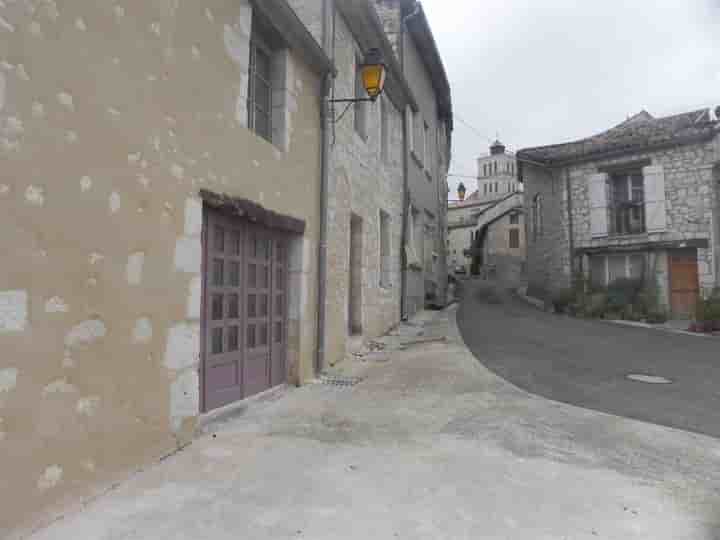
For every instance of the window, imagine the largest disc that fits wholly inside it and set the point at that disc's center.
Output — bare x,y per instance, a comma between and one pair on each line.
605,269
260,88
514,219
384,130
495,166
485,189
385,251
426,145
626,203
485,169
514,238
537,221
496,188
360,110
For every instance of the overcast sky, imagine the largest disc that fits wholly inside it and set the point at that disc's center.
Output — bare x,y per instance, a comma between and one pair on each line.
547,71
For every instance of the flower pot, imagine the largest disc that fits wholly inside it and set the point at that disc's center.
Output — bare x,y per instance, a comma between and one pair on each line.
716,325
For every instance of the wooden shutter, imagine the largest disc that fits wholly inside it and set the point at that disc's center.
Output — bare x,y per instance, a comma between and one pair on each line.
655,206
598,205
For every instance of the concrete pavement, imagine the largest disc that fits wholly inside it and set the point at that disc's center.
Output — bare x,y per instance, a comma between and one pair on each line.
429,445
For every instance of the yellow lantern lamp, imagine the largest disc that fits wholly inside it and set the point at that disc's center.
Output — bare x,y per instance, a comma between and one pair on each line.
373,71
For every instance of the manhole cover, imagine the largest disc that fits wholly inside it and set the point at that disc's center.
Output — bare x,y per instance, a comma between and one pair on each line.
651,379
340,380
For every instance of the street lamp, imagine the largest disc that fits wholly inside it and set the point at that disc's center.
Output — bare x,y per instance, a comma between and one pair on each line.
461,191
373,72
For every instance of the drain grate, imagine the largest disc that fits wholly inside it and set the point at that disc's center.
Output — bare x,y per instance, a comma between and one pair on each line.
650,379
339,380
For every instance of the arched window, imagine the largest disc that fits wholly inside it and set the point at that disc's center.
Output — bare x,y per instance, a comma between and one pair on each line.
537,220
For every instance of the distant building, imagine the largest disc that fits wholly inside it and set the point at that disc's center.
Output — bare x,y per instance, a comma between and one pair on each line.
640,200
487,229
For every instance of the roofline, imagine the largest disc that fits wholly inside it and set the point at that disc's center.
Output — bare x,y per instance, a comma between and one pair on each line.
421,26
595,156
397,86
298,37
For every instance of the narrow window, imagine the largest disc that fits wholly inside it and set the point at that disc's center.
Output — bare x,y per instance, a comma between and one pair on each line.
514,219
514,238
260,87
598,272
426,144
385,259
495,166
537,221
626,203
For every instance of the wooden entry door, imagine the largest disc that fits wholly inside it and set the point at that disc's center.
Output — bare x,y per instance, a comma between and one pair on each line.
684,283
245,310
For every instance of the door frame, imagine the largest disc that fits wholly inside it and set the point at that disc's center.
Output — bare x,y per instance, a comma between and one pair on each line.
274,235
670,253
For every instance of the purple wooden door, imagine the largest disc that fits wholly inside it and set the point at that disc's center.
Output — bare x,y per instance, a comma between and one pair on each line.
245,313
222,347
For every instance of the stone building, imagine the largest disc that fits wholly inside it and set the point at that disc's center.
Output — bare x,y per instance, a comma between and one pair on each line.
638,201
365,183
428,131
159,209
488,227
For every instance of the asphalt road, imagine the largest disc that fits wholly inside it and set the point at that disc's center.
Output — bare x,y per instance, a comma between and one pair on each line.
586,362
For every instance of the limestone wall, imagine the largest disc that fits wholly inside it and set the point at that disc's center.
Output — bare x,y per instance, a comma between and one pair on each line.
112,117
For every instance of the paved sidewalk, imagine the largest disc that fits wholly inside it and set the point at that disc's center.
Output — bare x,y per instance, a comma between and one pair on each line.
430,445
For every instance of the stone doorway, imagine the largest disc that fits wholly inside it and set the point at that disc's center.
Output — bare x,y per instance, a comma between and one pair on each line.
355,276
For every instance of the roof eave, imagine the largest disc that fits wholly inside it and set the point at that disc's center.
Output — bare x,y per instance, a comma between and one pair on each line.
368,30
419,28
283,17
597,156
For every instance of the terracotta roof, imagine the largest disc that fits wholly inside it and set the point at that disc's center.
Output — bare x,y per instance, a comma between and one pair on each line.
639,132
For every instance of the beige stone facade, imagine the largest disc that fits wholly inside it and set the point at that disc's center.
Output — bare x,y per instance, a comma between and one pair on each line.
112,117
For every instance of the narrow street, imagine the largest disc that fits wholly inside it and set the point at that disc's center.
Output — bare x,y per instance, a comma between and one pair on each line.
586,362
429,445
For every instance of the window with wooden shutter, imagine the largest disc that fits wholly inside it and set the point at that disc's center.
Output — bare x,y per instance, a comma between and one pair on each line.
598,204
655,205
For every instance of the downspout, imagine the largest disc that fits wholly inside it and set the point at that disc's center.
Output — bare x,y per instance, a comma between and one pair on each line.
406,179
324,173
571,228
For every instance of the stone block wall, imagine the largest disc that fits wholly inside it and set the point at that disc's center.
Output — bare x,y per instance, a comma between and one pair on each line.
691,195
548,253
363,183
112,117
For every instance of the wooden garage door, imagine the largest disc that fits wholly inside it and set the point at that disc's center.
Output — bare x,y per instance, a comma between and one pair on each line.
684,285
245,314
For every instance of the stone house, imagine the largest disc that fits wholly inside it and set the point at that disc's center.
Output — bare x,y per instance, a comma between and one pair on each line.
365,178
428,135
488,227
640,200
160,201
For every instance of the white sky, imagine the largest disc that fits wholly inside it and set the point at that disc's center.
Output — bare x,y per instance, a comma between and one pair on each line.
546,71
